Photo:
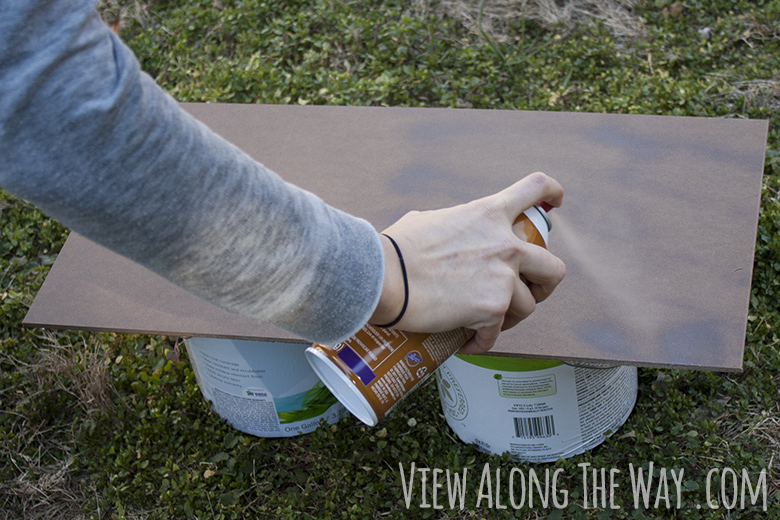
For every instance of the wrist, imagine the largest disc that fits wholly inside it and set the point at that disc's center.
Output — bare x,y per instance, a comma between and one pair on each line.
392,301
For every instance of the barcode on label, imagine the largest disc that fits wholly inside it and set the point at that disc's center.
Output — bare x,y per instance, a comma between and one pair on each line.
534,427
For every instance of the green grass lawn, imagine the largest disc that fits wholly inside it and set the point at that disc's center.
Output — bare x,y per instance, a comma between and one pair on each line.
113,426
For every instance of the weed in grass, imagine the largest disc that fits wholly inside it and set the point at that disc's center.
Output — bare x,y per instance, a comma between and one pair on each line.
495,17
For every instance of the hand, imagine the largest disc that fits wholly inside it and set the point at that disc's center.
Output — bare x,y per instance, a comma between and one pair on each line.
464,264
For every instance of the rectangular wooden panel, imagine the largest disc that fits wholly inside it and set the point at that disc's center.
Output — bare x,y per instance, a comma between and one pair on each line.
657,229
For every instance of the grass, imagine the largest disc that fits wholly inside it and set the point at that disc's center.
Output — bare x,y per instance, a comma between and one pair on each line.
113,426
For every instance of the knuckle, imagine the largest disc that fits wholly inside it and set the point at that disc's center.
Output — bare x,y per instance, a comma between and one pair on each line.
539,178
491,309
494,309
518,249
528,307
491,208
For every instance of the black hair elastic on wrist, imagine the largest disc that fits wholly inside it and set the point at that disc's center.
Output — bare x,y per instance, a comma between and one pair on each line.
406,284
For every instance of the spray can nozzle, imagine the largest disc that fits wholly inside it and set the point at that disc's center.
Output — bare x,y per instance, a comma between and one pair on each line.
546,206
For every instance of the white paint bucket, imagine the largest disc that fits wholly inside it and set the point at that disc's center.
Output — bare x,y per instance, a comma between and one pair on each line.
537,410
262,388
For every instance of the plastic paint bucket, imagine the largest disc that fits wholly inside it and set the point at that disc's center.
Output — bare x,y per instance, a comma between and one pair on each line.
377,367
537,410
265,389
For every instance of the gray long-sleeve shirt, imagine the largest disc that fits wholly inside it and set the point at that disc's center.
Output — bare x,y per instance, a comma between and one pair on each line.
95,143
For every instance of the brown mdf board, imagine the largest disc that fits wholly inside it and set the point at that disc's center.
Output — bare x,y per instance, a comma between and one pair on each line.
657,228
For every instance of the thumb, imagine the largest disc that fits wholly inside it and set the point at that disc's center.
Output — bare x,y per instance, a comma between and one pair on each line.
526,192
482,340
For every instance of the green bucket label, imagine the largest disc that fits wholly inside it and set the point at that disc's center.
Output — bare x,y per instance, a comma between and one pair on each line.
508,364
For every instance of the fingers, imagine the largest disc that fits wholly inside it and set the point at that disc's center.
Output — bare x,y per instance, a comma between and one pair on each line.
521,305
528,191
482,341
541,270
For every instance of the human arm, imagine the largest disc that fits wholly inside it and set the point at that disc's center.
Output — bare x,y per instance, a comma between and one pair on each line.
95,143
91,140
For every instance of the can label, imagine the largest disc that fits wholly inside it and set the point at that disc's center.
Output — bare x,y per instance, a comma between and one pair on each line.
374,369
386,364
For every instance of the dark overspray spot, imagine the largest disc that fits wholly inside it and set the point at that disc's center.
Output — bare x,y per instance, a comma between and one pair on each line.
604,336
430,132
682,344
651,147
426,179
685,343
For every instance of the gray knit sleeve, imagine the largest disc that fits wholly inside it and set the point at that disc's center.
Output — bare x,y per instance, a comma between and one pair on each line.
91,140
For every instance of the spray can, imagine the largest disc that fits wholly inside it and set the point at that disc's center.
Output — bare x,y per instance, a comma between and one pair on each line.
371,372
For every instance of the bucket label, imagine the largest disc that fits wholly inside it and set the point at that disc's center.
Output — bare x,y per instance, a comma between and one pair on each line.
255,412
262,388
535,415
526,387
453,399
